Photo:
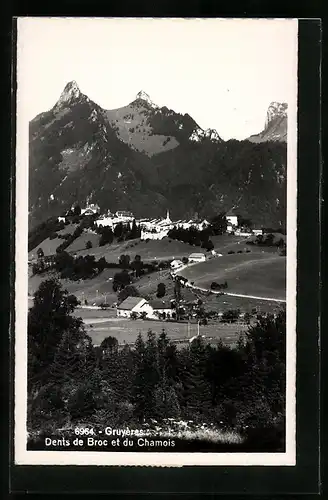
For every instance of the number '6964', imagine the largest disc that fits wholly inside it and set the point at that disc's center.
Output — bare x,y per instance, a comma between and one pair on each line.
84,431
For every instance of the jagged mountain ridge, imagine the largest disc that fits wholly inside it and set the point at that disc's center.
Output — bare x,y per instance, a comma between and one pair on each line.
275,128
76,155
147,128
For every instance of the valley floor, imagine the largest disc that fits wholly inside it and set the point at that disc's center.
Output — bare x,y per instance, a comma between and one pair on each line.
101,324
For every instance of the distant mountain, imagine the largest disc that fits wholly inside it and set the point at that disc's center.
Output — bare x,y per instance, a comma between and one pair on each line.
147,128
275,128
146,159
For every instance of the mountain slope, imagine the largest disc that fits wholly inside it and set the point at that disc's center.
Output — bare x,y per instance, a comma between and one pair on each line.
152,130
75,155
275,128
80,152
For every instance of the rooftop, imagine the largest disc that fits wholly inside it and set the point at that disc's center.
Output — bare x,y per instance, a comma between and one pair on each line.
130,303
160,304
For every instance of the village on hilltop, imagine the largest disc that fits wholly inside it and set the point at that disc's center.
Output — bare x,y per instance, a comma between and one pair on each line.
157,229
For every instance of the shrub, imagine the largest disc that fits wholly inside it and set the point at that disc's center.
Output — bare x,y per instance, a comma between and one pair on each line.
104,305
230,316
88,245
231,251
161,290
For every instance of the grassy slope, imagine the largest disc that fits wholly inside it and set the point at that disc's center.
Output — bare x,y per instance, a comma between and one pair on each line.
164,249
134,129
254,273
254,279
80,242
49,246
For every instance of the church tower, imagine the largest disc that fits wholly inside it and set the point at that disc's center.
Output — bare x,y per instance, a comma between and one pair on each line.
168,217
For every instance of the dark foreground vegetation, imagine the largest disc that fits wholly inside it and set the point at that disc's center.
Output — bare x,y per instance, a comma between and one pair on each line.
203,398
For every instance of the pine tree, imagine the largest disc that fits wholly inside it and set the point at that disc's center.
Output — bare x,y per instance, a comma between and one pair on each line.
74,359
197,391
167,360
48,319
146,376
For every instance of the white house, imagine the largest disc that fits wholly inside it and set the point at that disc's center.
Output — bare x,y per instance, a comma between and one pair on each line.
90,209
197,257
242,233
61,219
105,221
160,307
176,263
232,219
153,235
137,305
257,232
124,216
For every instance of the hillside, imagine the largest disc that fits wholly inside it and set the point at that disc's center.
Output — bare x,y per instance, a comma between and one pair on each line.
146,159
256,273
163,249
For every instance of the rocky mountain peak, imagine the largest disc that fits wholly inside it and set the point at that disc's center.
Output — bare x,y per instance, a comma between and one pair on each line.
144,96
276,110
71,92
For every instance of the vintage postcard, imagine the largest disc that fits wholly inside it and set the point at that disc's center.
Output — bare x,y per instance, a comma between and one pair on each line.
155,291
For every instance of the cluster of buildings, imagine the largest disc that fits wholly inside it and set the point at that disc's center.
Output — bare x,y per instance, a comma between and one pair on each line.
113,219
157,229
151,229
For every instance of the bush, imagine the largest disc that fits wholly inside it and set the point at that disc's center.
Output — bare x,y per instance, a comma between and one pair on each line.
230,316
104,305
231,251
88,245
161,290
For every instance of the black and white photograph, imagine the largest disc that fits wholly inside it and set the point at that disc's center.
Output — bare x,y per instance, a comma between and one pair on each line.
156,215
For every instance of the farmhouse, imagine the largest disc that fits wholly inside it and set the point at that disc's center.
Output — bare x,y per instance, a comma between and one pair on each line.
137,305
232,218
175,264
197,257
160,307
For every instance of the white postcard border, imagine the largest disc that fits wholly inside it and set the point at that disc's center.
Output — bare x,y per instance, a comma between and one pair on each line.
164,459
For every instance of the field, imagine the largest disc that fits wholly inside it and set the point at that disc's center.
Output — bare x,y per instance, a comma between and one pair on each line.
80,242
49,246
101,324
161,250
256,273
95,290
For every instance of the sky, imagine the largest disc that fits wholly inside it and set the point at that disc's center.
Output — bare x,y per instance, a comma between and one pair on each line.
222,72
